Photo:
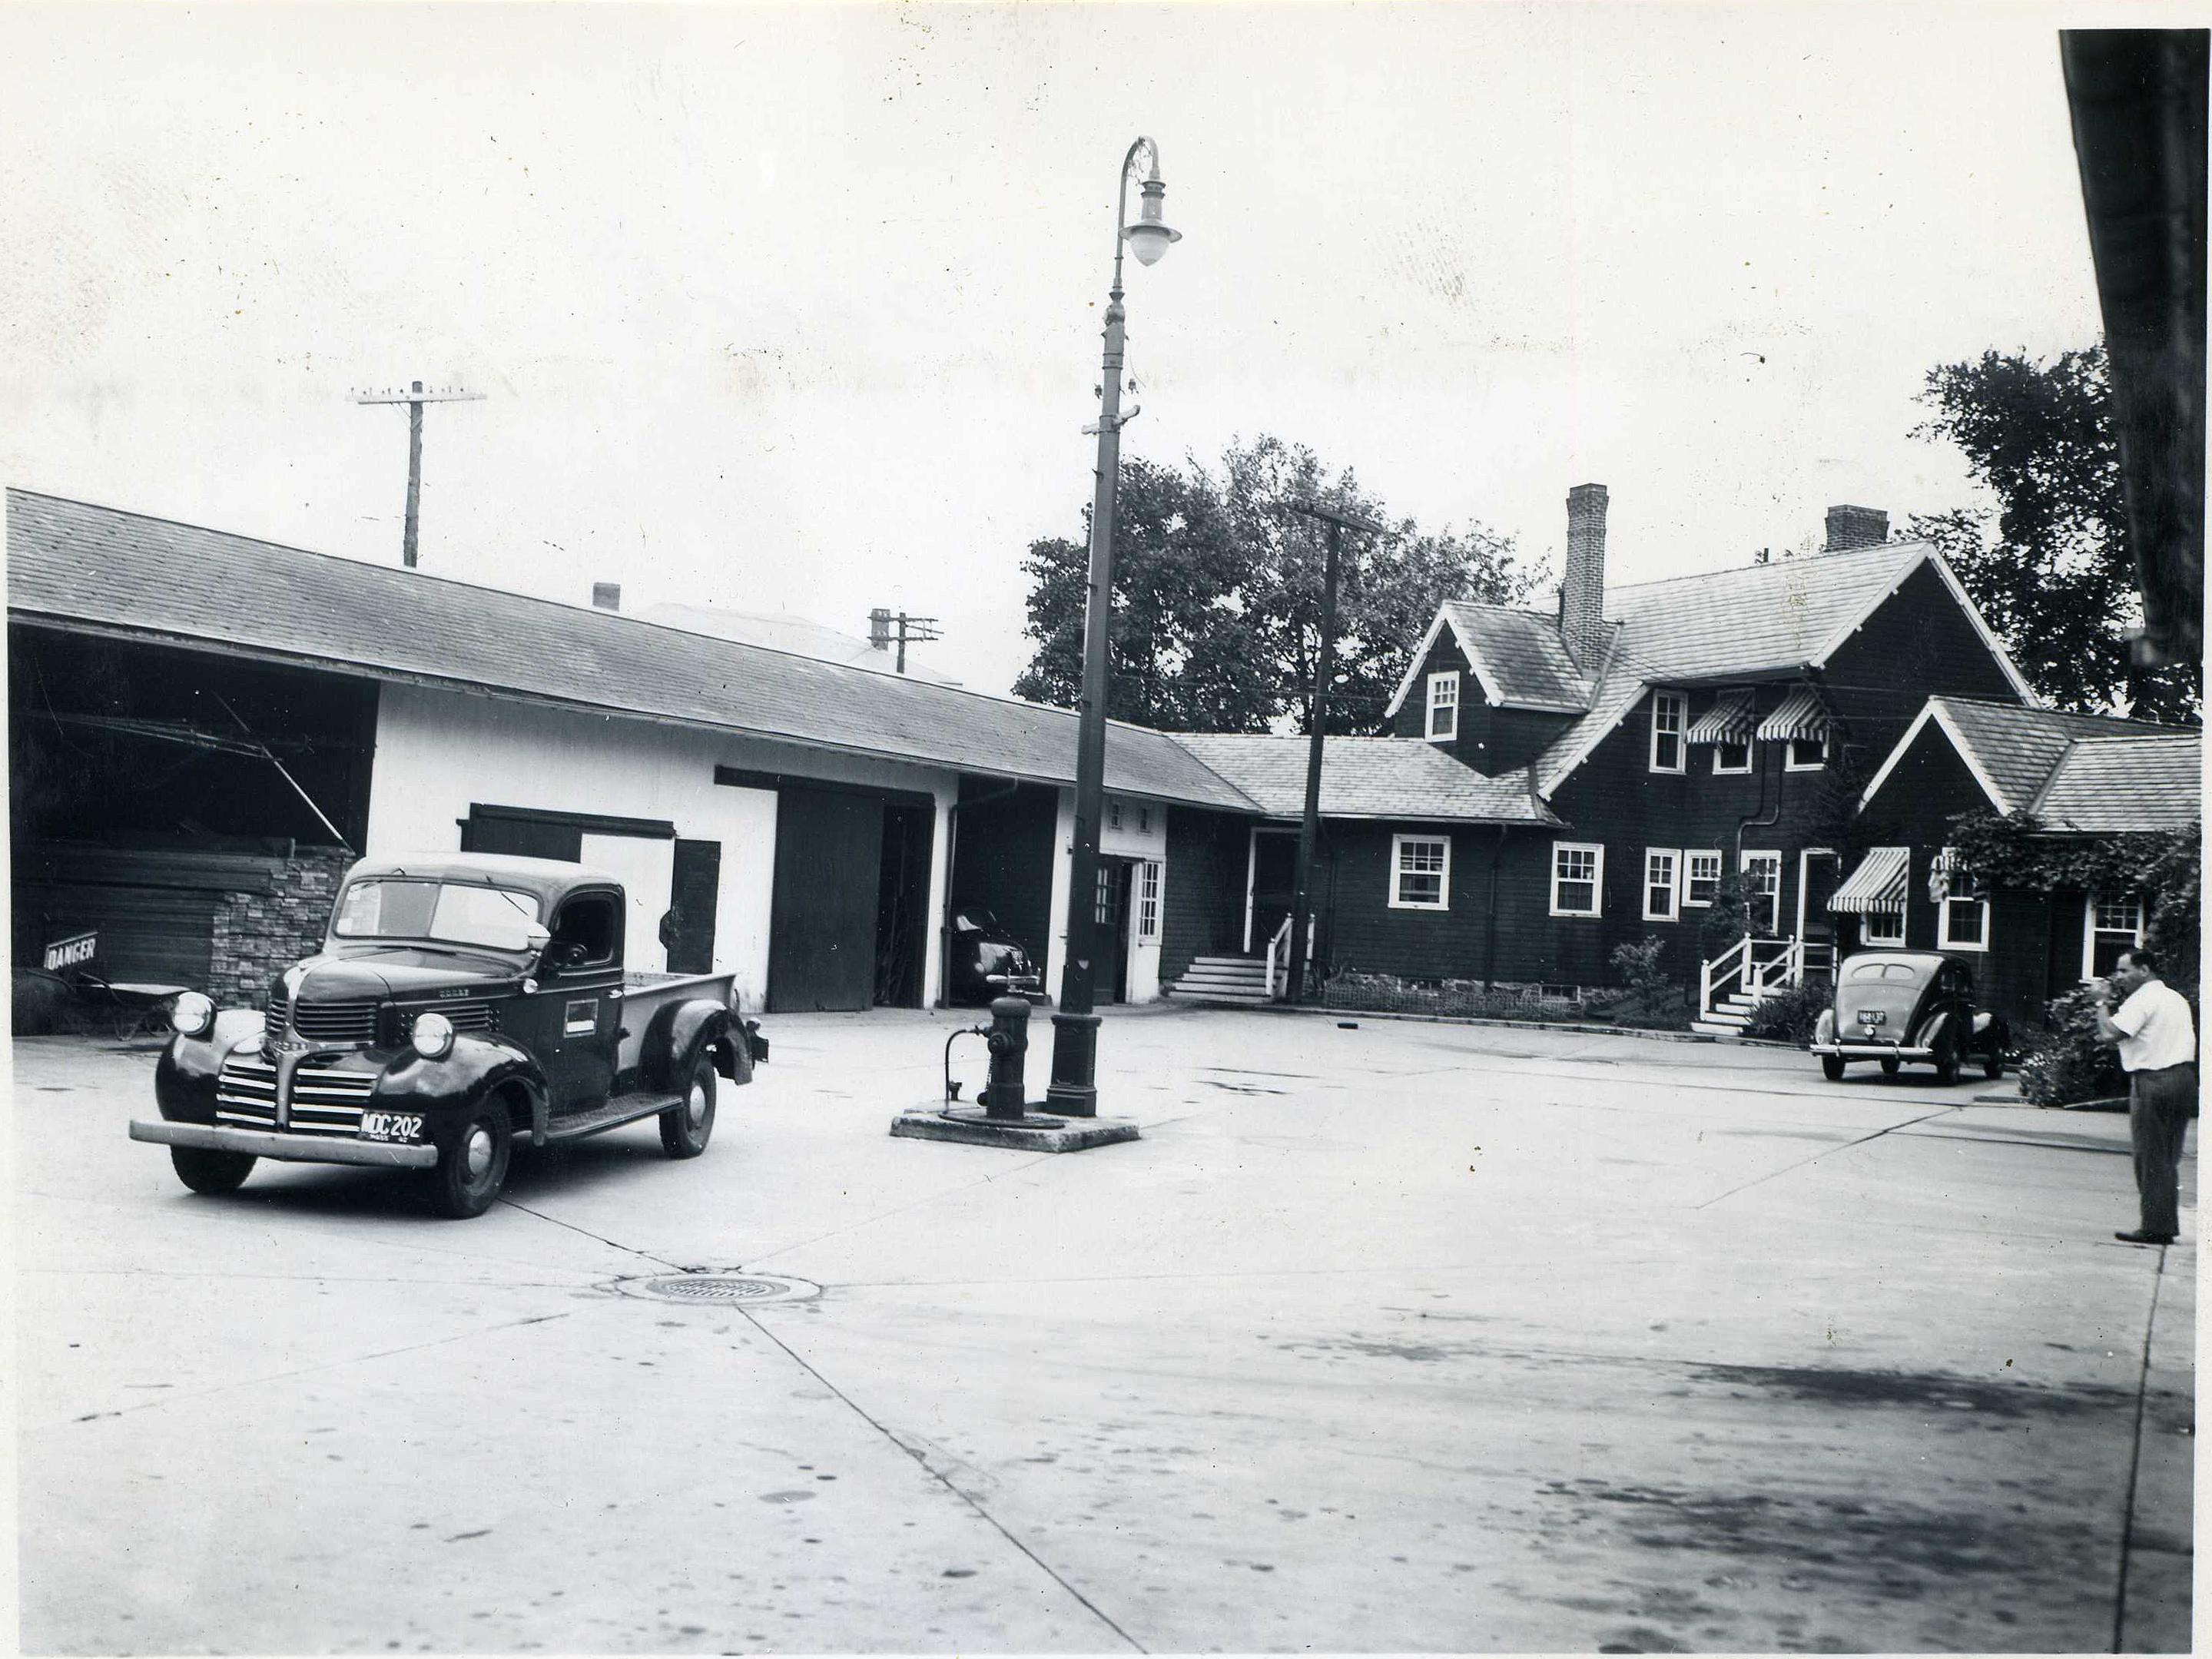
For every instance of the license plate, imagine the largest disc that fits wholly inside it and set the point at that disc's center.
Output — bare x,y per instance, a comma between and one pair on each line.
391,1126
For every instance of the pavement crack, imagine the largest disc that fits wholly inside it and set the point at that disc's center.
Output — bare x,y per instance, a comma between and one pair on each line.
1772,1175
2135,1461
627,1249
921,1459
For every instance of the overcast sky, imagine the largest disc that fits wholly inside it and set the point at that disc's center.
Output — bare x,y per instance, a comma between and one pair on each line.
798,309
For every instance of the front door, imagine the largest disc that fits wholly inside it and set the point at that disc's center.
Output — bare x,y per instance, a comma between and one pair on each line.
1109,945
1274,885
1818,873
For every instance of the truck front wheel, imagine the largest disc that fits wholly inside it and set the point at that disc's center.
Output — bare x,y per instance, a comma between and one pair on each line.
684,1127
473,1169
205,1170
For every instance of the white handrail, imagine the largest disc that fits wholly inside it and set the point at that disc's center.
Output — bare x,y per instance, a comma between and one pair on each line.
1276,942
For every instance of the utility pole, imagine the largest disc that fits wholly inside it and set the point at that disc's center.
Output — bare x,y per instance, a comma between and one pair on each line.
1324,671
415,398
920,629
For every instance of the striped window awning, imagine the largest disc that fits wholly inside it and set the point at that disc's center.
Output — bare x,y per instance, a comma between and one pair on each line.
1728,721
1877,886
1800,719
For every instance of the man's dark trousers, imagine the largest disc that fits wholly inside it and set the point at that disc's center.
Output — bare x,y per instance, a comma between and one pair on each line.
2159,1106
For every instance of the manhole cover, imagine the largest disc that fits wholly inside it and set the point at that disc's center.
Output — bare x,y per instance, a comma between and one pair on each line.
751,1288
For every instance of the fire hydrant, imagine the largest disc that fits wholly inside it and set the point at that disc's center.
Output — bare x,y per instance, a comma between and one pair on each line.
1009,1042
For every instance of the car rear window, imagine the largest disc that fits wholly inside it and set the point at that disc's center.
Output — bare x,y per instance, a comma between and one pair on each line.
1885,970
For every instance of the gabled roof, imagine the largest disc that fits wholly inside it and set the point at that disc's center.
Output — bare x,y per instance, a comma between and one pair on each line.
98,570
2016,756
2111,786
1516,656
1398,778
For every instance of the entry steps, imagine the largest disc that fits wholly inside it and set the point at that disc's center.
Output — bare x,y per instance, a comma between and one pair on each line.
1730,1019
1224,979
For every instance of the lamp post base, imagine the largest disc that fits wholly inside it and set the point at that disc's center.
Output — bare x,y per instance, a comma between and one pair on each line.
1074,1088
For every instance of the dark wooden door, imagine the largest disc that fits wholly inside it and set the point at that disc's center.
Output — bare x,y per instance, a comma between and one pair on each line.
1274,884
696,889
1109,943
822,920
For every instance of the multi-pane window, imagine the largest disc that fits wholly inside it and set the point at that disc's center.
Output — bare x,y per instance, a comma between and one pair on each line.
1420,873
2115,925
1577,872
1113,815
1762,889
1144,820
1732,756
1806,755
1108,910
1670,713
1148,899
1883,927
1662,865
1701,875
1963,918
1443,706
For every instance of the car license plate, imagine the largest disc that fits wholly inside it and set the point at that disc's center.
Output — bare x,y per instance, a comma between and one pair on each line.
391,1126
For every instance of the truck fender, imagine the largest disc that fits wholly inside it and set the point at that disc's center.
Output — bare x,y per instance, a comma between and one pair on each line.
184,1076
477,1065
680,1029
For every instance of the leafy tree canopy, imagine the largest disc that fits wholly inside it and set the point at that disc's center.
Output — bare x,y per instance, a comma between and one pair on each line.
1218,595
2050,567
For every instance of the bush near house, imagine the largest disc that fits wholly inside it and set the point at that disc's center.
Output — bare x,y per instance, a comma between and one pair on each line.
1653,998
2067,1061
1350,989
1789,1016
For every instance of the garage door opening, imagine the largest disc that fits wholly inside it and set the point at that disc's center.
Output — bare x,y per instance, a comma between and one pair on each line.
848,924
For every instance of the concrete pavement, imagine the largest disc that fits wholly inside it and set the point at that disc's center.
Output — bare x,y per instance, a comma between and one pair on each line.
1407,1337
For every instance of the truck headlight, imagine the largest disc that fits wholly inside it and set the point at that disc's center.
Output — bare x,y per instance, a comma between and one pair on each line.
433,1036
192,1015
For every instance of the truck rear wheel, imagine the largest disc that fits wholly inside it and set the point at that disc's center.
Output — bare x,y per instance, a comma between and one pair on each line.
205,1170
471,1172
685,1128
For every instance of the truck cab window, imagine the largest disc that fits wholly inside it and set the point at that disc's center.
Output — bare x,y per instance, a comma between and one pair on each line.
587,932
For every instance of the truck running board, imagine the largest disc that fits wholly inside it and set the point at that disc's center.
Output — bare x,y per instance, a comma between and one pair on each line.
623,1108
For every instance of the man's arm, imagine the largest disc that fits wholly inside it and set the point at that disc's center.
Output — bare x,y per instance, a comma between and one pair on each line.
2107,1028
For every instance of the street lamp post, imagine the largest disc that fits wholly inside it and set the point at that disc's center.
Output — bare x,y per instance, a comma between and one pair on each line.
1073,1091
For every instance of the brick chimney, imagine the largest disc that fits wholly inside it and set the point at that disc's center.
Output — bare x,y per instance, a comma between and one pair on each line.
1582,589
1856,526
606,596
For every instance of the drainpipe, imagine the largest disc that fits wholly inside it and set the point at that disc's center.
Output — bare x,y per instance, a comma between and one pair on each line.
1760,820
952,857
1490,917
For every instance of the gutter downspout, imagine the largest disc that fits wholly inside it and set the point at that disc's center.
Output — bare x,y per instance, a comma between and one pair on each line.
1489,916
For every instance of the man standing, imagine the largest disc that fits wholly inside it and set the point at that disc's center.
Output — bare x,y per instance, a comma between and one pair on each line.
2158,1051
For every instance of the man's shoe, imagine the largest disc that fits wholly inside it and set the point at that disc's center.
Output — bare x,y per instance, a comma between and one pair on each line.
2144,1238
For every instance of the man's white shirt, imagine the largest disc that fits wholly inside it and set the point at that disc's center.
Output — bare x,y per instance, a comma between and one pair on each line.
2159,1032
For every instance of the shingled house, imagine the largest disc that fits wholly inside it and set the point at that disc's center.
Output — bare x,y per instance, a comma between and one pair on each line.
2081,777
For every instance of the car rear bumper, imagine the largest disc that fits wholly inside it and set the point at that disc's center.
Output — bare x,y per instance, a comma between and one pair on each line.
1873,1050
287,1148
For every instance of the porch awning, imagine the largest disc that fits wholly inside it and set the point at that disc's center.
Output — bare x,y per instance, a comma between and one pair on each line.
1800,719
1728,721
1877,886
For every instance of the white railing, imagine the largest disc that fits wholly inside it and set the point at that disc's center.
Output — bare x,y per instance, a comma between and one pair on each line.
1279,950
1761,967
1730,964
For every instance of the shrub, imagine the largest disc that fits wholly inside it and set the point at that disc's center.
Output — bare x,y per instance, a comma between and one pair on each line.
39,1003
1789,1016
1728,919
2067,1061
1652,998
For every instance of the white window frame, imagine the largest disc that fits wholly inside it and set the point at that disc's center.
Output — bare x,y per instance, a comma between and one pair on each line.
1760,855
1398,901
1148,899
1749,755
1596,878
1791,763
1672,885
1688,875
2090,930
1945,939
1444,699
1664,704
1892,927
1113,813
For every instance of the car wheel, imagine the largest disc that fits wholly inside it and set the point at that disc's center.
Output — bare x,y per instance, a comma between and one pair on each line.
1993,1065
684,1128
1889,1068
207,1171
1947,1061
1832,1067
472,1170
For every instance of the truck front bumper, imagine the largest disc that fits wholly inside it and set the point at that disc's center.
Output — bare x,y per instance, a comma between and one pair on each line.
1873,1051
288,1148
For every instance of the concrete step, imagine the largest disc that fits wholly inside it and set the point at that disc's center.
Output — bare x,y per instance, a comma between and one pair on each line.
1728,1017
1714,1028
1205,994
1222,977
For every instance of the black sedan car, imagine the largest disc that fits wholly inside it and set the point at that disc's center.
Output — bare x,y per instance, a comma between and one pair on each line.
989,961
1892,1007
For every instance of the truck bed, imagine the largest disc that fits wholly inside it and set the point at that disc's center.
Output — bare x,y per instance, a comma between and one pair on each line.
644,992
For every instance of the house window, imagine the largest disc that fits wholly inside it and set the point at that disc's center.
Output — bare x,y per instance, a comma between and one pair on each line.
1144,820
1577,876
1420,873
1113,815
1962,920
1884,928
1701,875
1670,712
1443,706
1762,889
1662,865
2115,925
1148,899
1806,755
1732,756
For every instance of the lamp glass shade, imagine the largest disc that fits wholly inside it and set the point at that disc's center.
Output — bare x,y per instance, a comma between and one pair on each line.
1148,239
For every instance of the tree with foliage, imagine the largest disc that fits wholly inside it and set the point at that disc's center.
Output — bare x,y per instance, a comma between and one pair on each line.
2050,567
1218,592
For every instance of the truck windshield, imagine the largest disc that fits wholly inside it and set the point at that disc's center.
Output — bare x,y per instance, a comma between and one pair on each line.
495,917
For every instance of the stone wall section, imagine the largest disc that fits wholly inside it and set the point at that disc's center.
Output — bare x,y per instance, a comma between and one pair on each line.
258,935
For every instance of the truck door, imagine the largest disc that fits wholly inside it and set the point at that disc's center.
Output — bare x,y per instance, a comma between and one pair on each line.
581,1011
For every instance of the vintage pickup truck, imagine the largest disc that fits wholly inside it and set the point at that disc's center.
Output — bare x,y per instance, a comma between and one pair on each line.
462,1002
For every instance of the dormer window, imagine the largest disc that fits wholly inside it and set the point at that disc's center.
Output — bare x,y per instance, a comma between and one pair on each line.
1443,707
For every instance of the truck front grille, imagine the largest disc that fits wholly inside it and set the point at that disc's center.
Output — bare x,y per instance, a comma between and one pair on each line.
324,1022
471,1016
324,1100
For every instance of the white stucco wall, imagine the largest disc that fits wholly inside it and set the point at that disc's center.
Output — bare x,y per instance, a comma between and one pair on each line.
438,752
1142,833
